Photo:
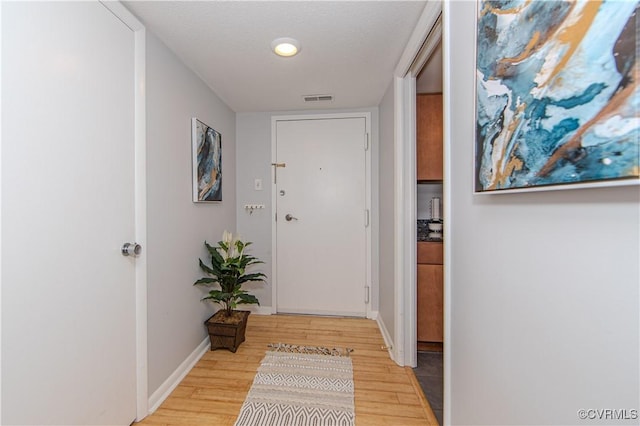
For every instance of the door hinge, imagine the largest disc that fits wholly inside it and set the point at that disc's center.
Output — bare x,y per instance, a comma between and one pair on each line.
366,141
366,294
366,218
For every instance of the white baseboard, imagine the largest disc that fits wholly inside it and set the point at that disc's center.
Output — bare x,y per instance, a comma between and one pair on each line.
258,310
163,392
387,338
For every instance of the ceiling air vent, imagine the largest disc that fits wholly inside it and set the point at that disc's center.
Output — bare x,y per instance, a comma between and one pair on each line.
317,98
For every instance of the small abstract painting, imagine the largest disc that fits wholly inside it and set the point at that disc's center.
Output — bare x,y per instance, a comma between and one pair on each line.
557,95
207,162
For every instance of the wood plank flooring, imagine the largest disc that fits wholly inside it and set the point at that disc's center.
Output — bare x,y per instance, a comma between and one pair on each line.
213,392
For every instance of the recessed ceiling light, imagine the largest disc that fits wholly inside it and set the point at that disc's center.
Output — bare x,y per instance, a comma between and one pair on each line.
285,46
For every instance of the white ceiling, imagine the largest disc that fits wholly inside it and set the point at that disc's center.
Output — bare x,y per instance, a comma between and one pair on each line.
349,49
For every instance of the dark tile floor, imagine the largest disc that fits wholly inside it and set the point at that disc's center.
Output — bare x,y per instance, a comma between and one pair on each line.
429,375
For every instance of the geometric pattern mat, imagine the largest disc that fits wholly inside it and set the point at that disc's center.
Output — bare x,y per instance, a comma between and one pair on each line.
300,387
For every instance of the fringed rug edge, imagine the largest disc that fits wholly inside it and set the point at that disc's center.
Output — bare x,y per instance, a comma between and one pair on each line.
313,350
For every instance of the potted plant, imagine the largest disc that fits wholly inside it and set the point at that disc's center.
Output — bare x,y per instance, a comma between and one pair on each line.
228,273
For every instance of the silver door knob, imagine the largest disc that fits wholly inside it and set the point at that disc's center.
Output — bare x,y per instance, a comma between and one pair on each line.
131,249
289,218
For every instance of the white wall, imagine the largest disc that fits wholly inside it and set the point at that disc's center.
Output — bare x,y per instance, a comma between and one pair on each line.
543,288
387,216
253,160
177,227
425,192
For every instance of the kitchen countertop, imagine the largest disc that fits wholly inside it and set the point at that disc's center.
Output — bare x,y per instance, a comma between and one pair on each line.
425,239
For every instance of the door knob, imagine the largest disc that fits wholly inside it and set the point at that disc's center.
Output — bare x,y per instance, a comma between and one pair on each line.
131,249
289,218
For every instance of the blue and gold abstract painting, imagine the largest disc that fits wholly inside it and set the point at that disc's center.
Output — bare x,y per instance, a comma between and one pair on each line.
557,95
207,162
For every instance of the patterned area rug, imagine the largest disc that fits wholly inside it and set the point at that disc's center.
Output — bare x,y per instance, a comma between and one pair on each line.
301,386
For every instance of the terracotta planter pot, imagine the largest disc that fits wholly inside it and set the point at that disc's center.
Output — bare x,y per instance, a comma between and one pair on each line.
226,332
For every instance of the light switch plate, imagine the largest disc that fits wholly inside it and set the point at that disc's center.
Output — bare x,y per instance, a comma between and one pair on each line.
257,184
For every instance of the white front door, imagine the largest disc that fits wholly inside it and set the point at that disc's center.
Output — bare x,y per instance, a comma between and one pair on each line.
68,307
321,216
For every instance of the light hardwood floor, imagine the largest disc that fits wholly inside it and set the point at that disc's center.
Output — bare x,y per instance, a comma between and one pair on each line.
213,392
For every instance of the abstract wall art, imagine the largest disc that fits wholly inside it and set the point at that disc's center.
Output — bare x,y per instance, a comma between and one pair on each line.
557,95
207,162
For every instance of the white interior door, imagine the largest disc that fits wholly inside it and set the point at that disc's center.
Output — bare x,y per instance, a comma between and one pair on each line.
321,216
68,307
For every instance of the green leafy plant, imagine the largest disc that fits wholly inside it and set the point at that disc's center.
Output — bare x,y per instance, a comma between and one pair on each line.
228,265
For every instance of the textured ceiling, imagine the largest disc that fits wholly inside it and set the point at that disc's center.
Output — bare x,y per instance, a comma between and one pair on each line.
349,49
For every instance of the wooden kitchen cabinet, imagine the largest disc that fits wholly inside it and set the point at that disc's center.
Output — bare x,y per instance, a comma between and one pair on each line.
429,137
430,292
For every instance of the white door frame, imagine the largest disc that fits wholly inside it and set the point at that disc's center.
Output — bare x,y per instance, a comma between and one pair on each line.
420,45
425,36
140,173
274,260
